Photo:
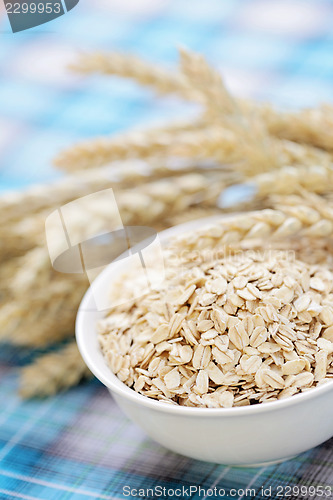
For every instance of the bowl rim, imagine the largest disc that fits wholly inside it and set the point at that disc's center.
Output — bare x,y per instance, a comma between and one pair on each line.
113,383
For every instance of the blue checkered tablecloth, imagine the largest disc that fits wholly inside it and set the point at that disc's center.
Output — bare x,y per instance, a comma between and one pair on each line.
79,445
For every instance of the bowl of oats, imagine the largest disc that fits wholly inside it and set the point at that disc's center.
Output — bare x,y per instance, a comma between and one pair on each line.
228,358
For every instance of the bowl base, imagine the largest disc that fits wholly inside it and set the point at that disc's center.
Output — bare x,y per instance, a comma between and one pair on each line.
267,464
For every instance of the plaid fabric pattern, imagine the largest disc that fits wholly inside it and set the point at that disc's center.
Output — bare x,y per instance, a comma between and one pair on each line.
79,445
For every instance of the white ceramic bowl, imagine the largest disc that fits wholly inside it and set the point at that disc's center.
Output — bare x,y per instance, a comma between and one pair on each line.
248,436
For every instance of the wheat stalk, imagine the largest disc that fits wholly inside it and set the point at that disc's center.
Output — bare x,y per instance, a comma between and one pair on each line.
197,80
49,299
253,125
242,134
286,157
250,151
22,233
53,372
25,234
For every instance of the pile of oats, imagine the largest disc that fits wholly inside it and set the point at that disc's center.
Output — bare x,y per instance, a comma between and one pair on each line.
241,330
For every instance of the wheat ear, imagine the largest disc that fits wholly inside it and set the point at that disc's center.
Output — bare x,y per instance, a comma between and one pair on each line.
313,219
207,84
119,175
20,235
161,80
53,372
288,180
98,152
46,301
312,126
